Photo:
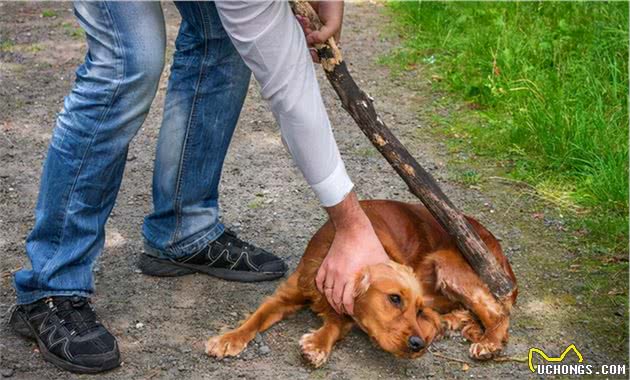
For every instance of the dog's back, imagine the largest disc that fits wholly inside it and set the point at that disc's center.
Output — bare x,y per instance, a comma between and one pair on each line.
408,232
411,232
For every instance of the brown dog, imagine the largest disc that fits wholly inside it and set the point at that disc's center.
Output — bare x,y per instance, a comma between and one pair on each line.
404,305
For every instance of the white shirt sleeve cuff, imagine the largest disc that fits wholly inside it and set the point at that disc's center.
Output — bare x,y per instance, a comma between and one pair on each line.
335,187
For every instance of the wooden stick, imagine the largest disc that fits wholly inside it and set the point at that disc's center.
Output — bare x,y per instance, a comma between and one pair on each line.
503,359
359,105
443,356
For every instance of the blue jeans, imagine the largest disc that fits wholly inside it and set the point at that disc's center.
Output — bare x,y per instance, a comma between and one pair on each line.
110,99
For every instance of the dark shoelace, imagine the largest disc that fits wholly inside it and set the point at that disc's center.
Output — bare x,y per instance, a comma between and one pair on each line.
76,314
238,243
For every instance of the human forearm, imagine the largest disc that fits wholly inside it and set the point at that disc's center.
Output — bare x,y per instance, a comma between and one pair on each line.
348,214
274,48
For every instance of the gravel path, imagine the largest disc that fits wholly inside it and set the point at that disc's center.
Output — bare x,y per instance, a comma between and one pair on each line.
162,323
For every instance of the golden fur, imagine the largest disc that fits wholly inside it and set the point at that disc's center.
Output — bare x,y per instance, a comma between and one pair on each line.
426,288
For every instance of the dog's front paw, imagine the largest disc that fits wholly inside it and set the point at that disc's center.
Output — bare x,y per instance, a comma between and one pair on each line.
230,344
312,350
484,350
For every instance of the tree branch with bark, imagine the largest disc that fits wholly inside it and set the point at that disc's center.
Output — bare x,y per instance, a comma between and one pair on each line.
360,106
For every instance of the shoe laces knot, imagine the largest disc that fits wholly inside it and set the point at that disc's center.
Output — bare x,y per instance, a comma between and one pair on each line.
75,313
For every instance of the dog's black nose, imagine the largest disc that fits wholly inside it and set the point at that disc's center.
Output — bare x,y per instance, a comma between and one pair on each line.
415,343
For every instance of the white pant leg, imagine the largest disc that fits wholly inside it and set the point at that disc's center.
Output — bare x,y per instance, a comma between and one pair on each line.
272,44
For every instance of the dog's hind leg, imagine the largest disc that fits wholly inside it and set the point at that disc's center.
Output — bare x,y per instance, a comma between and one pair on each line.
456,279
286,300
316,346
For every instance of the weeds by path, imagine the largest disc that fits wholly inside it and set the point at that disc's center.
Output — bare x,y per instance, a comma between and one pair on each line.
548,84
544,89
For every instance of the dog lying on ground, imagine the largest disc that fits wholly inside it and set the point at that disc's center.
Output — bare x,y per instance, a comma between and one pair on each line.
425,289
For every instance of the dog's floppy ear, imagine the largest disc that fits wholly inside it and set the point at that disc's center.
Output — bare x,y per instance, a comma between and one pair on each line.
362,283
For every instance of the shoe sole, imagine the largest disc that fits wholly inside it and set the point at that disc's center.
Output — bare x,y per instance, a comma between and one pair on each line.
19,325
153,266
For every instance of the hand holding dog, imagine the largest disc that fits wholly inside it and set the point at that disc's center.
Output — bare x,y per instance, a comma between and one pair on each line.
355,246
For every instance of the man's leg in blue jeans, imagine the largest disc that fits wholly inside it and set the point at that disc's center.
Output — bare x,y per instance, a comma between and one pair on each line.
206,90
83,170
110,99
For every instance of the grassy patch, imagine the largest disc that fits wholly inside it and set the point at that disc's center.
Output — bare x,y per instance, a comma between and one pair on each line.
34,48
548,84
257,202
367,152
546,89
6,46
49,13
468,177
73,31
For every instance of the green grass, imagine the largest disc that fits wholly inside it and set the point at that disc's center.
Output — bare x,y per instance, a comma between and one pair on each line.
257,202
49,13
6,46
548,85
468,177
73,31
365,151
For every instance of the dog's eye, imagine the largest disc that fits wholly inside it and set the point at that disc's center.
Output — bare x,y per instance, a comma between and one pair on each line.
419,313
395,299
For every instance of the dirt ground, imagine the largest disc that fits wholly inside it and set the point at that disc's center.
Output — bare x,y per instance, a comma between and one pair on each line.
161,324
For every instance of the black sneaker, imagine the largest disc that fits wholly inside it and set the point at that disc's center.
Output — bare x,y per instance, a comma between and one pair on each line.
68,334
228,258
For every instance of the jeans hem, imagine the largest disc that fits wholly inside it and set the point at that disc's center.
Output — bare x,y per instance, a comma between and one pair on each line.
30,297
186,249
